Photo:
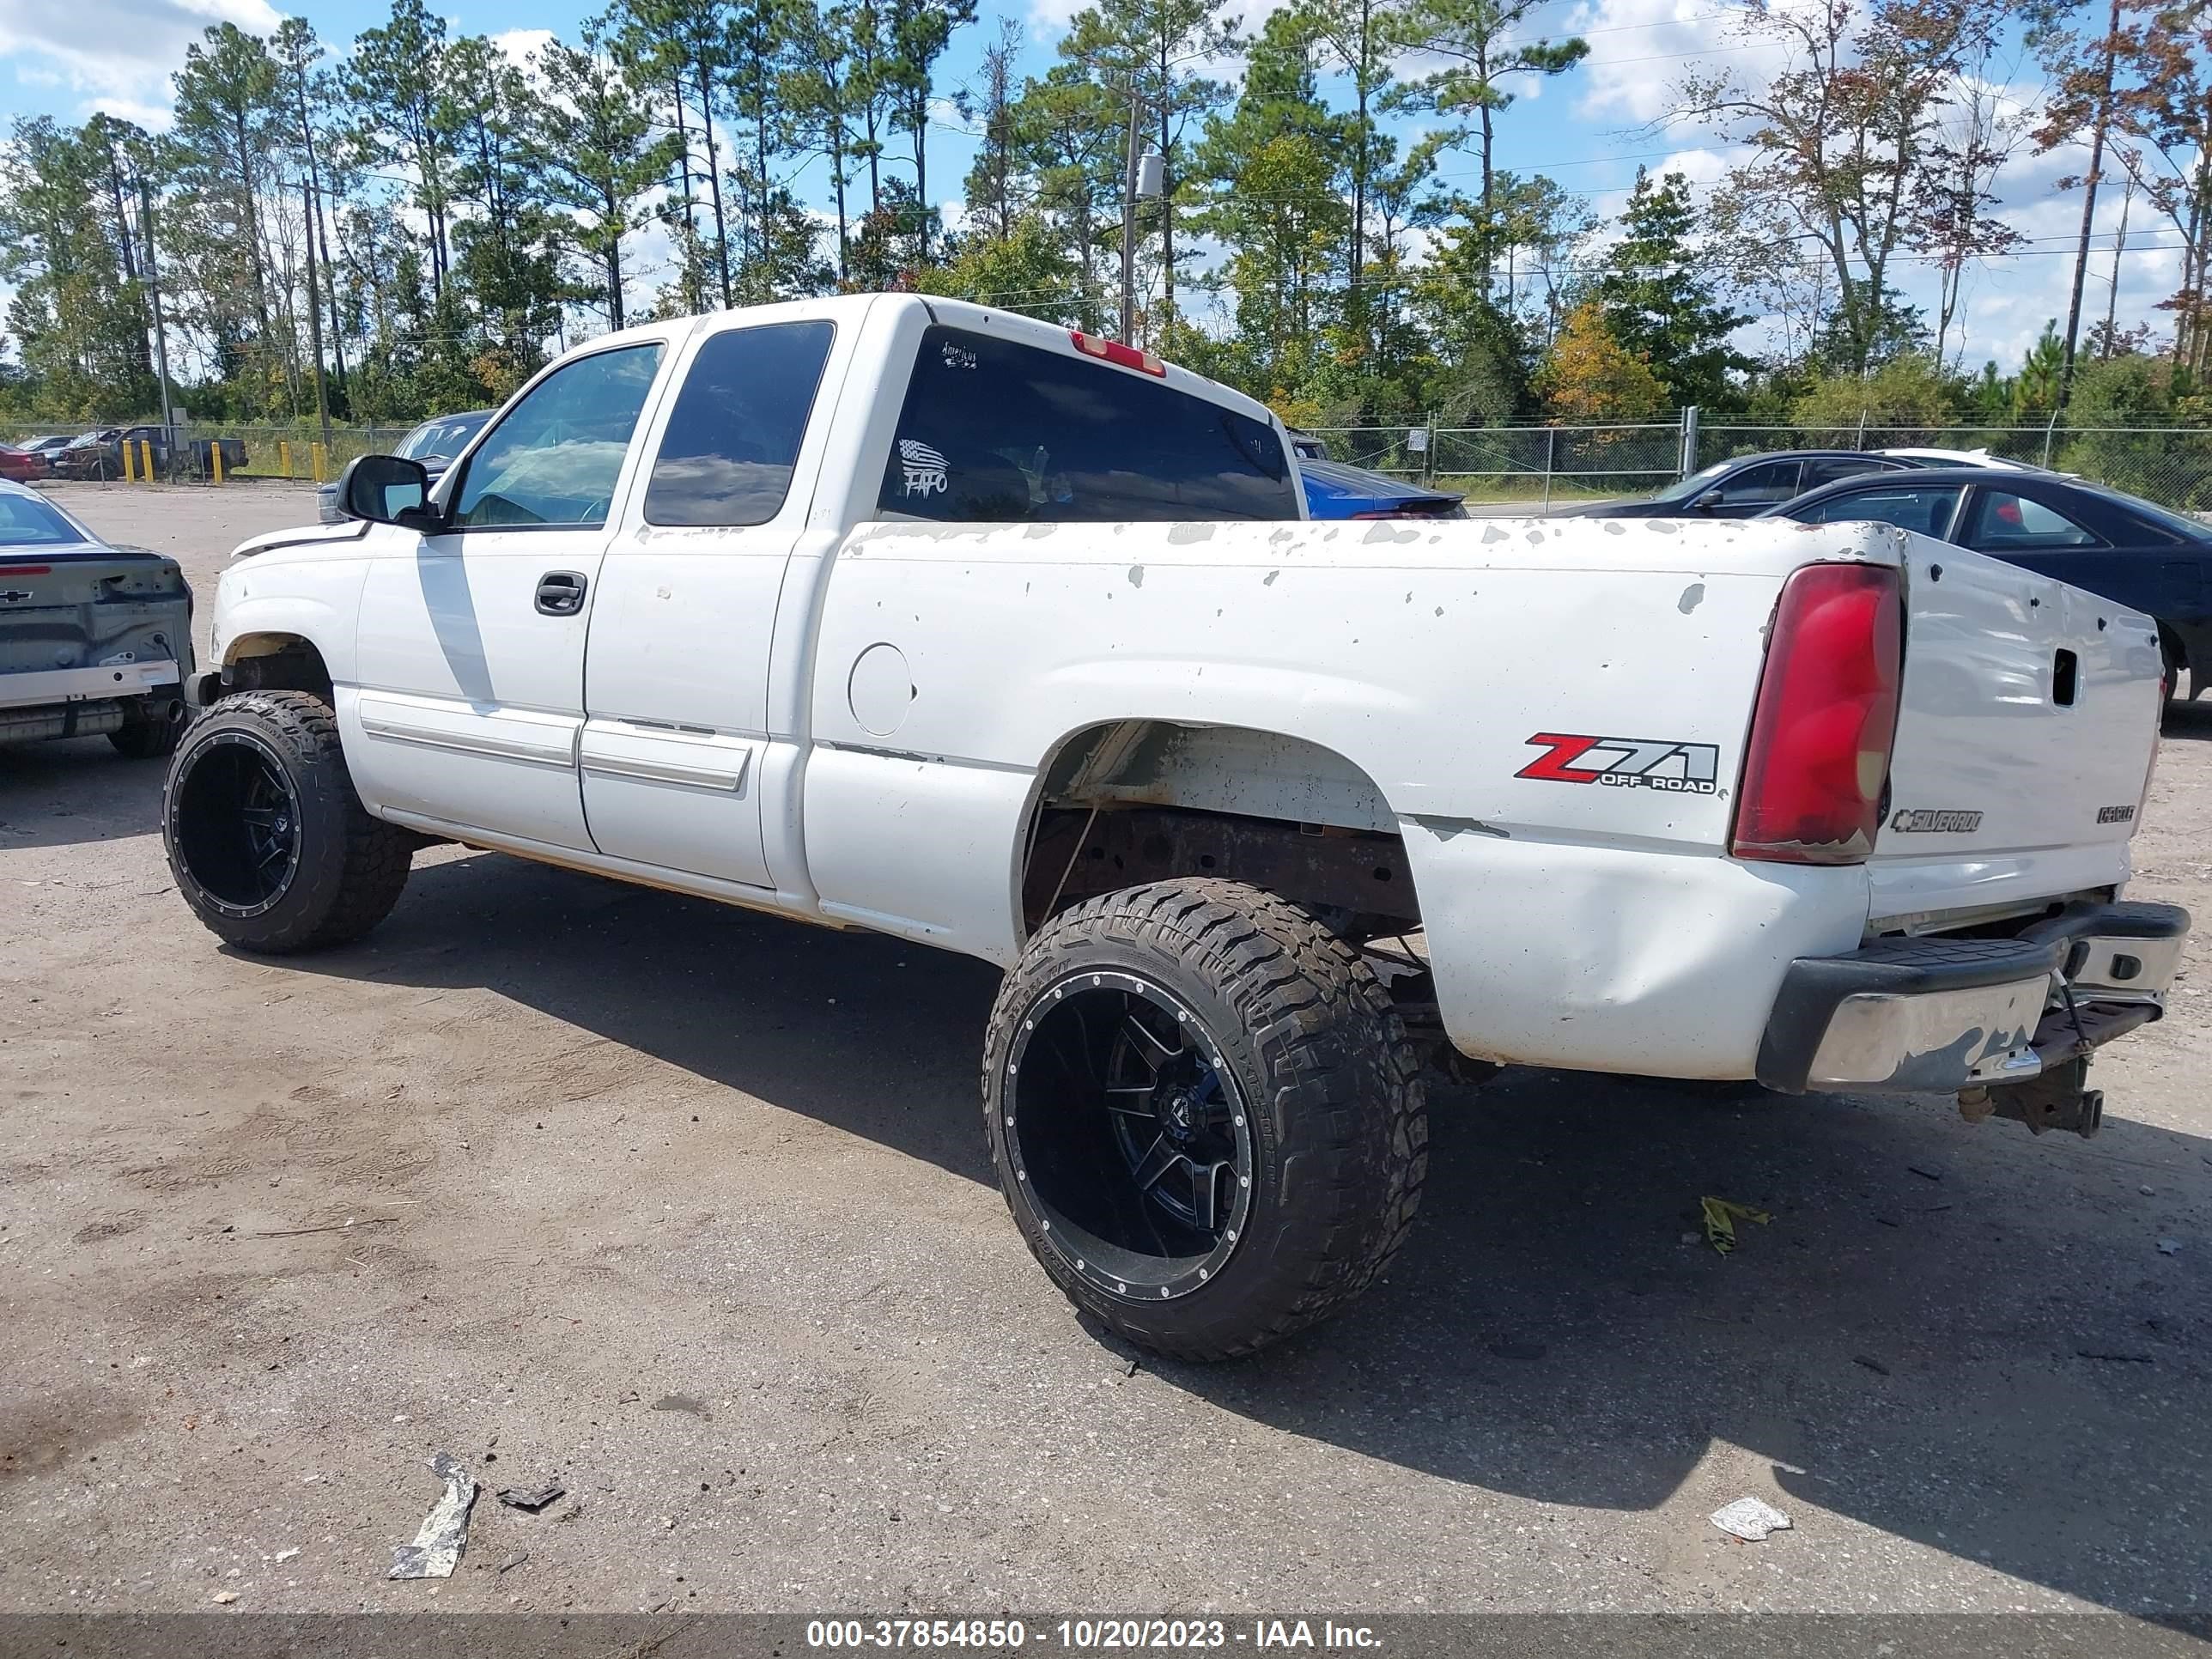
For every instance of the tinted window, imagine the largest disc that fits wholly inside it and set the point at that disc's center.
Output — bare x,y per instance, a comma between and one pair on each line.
26,521
733,436
1824,472
553,458
992,432
1925,507
1770,481
2003,522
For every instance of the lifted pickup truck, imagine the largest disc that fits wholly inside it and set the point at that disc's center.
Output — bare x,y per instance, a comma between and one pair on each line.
903,614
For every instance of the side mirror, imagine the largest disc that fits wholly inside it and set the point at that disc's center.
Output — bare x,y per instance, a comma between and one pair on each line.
386,490
1708,502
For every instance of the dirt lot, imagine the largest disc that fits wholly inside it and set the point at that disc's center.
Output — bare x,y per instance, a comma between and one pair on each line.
689,1209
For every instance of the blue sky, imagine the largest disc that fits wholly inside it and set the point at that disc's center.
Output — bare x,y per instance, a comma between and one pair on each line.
1590,128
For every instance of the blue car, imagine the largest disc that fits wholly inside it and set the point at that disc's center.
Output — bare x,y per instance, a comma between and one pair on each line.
2116,546
1334,490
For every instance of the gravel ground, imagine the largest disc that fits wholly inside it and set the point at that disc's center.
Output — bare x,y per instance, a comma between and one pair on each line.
687,1209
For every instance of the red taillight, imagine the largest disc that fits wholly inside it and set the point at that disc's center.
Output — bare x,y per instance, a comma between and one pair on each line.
25,570
1114,352
1820,736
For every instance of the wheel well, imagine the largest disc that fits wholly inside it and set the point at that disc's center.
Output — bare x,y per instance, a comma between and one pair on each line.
1136,801
276,662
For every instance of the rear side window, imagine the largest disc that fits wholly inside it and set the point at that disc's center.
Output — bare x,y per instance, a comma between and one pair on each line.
734,434
1826,472
1925,507
996,433
2005,523
1772,481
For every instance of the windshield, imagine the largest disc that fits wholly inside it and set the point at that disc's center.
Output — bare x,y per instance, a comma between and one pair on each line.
1695,484
27,521
445,437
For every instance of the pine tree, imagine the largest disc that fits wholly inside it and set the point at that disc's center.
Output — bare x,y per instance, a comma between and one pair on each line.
1659,300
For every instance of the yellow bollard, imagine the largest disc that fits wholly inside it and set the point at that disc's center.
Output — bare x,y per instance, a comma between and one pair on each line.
319,462
130,459
284,455
215,459
146,460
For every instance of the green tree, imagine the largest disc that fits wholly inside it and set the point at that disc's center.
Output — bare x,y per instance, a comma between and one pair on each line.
685,44
1658,296
2038,389
599,153
74,313
395,82
1906,394
819,88
1152,54
919,32
1273,165
1485,46
220,153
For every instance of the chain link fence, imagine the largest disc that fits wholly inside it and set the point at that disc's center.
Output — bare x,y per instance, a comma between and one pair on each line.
187,453
1539,466
1544,465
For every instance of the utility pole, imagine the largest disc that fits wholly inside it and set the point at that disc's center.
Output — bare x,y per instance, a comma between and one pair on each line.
161,336
315,316
1129,225
1145,176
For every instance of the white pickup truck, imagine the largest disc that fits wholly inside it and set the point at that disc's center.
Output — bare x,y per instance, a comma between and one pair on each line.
903,614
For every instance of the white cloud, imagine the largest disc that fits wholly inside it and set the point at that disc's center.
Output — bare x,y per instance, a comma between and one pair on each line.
120,53
519,44
1641,50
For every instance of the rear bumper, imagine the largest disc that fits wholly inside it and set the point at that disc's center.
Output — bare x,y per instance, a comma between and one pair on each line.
57,686
1914,1015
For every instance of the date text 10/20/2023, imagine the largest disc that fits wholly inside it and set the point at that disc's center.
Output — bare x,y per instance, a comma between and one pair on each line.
1091,1635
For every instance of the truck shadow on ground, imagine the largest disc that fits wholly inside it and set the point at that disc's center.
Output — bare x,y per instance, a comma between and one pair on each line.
1958,1335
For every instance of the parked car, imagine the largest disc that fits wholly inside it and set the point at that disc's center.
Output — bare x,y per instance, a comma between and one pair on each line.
2127,550
1334,490
46,448
911,616
20,465
92,638
99,453
1744,485
434,443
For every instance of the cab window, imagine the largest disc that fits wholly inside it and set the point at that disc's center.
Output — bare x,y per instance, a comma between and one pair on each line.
553,458
994,432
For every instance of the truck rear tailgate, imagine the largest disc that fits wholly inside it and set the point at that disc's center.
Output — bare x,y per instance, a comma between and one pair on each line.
2026,733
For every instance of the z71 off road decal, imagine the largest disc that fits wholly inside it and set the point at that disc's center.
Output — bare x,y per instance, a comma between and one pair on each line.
1686,768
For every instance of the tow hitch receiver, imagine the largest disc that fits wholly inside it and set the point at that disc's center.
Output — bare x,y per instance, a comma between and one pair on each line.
2056,1100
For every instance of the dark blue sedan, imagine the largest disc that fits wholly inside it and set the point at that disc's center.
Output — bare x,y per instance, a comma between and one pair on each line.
2123,548
1334,490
